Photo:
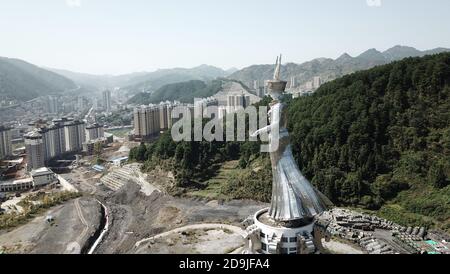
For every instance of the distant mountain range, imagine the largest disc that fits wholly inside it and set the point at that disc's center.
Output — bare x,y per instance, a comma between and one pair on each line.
155,80
328,69
100,82
23,81
145,81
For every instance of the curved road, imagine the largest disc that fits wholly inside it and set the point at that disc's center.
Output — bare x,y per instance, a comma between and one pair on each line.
233,228
82,219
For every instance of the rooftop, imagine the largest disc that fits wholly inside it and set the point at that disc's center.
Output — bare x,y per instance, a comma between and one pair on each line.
41,171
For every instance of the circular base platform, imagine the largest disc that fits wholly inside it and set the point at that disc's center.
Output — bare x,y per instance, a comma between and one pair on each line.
277,238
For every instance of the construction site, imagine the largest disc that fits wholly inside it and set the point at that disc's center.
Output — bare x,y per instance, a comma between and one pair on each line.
115,208
372,235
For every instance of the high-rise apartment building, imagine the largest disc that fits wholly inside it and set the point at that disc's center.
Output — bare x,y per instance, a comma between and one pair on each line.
5,142
75,136
107,100
147,121
163,116
48,142
317,82
201,105
35,149
237,102
53,104
54,140
94,132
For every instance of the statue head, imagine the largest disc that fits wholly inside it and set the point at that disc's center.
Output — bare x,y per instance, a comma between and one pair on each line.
277,86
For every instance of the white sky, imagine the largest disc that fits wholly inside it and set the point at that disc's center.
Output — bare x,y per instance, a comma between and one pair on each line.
117,36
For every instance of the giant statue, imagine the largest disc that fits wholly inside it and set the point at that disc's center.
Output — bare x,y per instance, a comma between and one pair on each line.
294,199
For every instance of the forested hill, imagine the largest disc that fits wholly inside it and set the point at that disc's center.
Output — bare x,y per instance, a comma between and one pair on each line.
184,92
377,139
366,137
23,81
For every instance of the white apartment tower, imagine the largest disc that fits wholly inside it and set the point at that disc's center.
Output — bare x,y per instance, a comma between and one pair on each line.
94,132
147,121
5,142
107,100
75,136
35,150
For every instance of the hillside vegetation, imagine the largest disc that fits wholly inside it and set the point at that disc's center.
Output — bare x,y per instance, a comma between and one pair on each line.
184,92
153,81
370,136
377,139
23,81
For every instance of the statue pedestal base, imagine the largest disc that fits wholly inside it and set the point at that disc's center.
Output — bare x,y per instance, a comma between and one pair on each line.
266,236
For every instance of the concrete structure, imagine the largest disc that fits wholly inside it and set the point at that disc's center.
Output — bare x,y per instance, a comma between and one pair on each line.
260,92
201,105
5,142
119,161
42,177
54,140
62,136
165,114
94,132
39,177
235,89
293,82
17,185
147,122
237,102
81,103
317,82
35,150
107,101
89,146
53,106
75,136
273,238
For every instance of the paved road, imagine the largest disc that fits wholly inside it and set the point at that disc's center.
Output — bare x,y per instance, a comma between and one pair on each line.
234,229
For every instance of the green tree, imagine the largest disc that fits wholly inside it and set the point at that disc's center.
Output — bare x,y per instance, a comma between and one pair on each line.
436,175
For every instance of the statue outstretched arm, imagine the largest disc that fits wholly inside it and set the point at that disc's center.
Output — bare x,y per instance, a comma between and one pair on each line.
274,115
261,131
264,130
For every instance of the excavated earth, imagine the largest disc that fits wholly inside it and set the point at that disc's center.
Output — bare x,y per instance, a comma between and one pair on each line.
134,216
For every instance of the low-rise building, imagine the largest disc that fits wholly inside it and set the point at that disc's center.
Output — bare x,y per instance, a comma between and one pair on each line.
119,161
16,185
42,177
89,146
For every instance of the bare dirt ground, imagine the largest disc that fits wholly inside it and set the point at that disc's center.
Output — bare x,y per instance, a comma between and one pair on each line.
135,217
75,221
336,247
213,240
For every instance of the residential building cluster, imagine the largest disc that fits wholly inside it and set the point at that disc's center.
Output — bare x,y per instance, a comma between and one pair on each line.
39,178
62,136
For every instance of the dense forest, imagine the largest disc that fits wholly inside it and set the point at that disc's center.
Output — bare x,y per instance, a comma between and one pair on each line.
366,137
377,139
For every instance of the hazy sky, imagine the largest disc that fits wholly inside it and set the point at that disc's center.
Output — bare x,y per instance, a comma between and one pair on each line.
118,36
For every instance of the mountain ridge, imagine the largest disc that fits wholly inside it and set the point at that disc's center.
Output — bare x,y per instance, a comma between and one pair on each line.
330,69
20,80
